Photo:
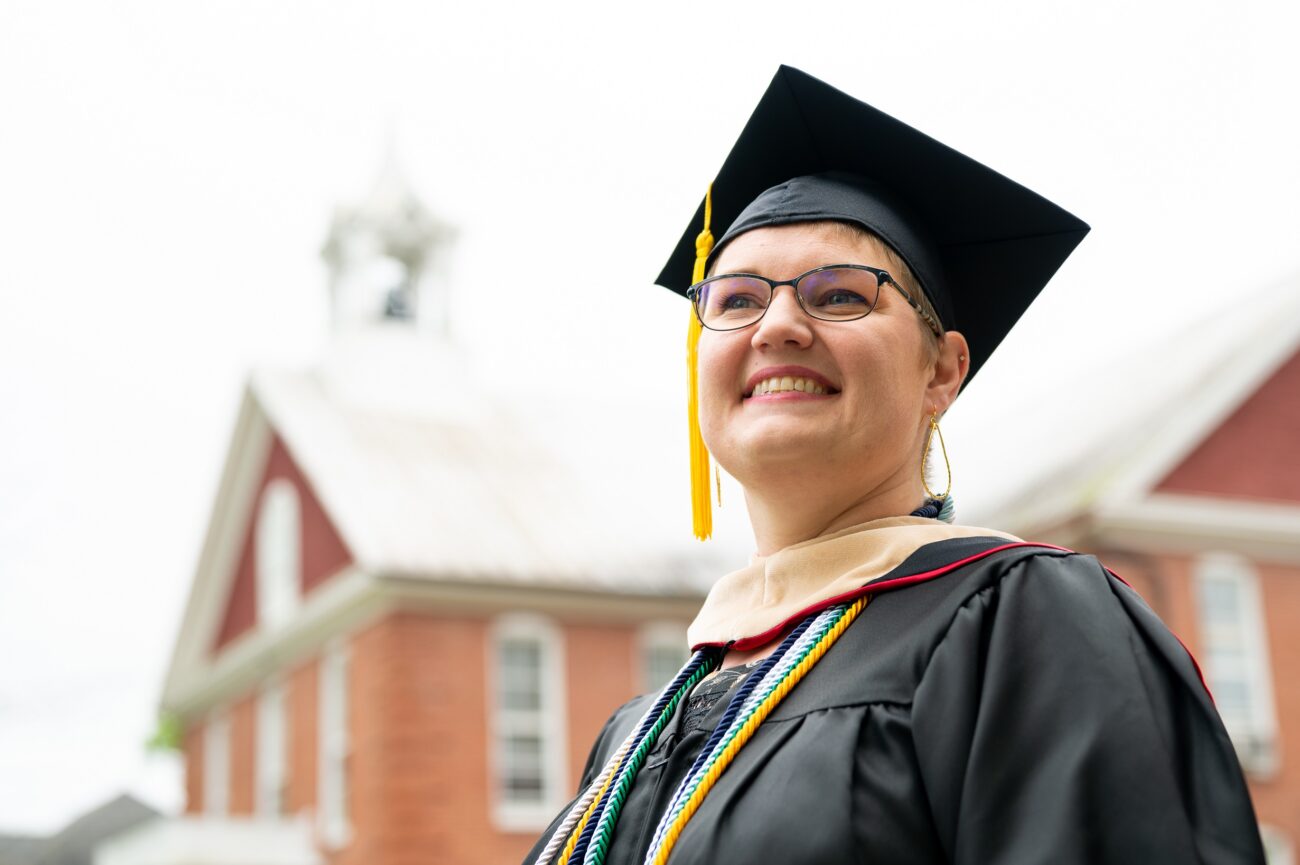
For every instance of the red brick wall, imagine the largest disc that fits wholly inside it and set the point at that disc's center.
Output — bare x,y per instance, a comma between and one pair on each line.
301,709
323,550
418,707
1254,453
603,672
1277,800
243,718
241,606
395,774
421,790
192,757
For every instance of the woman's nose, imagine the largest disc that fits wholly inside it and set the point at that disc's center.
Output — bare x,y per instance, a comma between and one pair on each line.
785,322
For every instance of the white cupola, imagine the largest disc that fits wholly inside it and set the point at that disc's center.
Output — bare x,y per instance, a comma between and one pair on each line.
386,260
391,345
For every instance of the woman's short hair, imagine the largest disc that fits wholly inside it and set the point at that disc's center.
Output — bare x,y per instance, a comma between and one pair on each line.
901,273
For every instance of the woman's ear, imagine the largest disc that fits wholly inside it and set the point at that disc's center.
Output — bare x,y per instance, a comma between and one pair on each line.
950,369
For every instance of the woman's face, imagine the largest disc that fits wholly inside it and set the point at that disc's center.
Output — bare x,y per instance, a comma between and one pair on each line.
865,429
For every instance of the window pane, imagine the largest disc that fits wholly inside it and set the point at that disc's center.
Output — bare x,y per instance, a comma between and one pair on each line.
521,675
522,768
662,662
1220,602
1232,698
524,789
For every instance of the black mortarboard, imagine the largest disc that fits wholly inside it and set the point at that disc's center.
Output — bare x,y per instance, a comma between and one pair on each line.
981,245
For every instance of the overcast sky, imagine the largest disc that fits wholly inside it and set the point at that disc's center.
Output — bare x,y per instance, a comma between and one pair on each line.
168,170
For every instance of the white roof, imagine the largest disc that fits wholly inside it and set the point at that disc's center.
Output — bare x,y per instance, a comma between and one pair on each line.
1126,428
455,488
425,478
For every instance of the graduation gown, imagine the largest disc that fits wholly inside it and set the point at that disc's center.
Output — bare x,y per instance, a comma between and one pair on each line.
995,703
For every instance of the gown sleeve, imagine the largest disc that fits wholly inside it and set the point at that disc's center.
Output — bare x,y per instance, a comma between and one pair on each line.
1059,721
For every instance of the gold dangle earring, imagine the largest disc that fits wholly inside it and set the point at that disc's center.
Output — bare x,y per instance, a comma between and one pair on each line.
717,480
925,456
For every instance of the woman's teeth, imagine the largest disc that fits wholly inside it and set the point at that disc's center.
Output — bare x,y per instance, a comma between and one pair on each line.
784,383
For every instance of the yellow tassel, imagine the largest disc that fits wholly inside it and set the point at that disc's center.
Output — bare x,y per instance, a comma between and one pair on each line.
701,504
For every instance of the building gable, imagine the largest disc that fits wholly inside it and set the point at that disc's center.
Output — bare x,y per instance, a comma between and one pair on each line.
323,552
1254,453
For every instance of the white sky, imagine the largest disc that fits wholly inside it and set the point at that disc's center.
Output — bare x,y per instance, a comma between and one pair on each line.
167,172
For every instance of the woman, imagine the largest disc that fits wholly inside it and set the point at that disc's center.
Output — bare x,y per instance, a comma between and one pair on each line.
879,685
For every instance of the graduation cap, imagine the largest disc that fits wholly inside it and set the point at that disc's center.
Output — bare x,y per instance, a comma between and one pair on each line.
981,246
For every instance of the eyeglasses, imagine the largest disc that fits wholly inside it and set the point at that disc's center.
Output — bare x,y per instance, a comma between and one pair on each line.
836,292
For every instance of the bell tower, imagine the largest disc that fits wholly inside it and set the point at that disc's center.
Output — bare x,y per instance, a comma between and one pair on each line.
386,259
391,346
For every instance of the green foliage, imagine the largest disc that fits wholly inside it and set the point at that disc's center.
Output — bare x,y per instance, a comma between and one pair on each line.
167,735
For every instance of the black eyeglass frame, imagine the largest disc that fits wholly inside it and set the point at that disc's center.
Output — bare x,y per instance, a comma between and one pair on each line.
882,276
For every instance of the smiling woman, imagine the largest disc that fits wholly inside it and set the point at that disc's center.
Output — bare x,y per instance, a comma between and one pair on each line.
879,684
802,457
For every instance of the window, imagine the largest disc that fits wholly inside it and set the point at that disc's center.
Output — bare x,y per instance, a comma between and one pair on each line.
663,654
1236,659
279,553
216,766
527,760
334,744
272,753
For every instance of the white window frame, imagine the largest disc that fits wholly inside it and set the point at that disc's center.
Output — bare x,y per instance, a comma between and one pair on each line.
216,765
1278,849
548,722
652,637
278,547
1255,734
272,752
334,746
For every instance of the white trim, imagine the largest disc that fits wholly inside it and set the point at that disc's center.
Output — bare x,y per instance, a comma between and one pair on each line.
351,598
334,746
1202,524
271,751
1255,733
343,603
551,725
214,574
651,637
216,764
485,596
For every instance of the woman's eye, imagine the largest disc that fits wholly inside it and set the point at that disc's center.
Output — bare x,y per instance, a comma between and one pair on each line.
839,297
738,301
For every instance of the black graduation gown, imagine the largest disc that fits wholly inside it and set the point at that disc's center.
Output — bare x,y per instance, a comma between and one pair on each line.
1027,707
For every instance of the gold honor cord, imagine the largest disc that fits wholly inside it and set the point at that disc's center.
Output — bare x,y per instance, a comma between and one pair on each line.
750,726
586,815
701,505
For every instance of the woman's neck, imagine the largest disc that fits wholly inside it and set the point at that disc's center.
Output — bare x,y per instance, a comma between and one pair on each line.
782,518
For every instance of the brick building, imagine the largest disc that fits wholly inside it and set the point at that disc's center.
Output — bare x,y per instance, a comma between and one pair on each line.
1197,505
404,631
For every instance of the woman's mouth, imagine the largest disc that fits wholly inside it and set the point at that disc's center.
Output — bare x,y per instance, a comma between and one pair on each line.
779,384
